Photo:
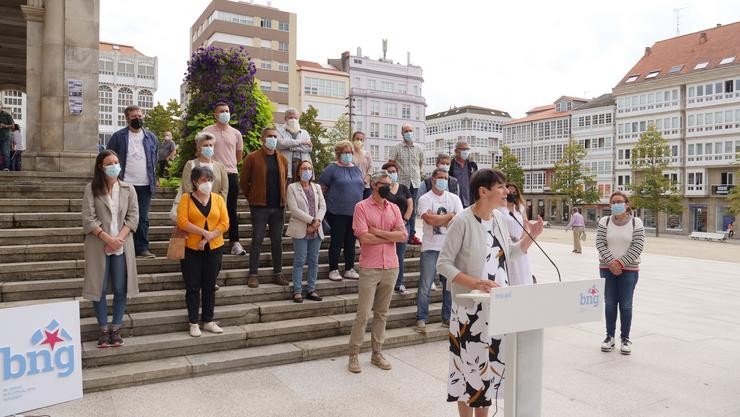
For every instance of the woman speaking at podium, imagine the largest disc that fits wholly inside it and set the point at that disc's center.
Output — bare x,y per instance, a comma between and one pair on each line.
475,254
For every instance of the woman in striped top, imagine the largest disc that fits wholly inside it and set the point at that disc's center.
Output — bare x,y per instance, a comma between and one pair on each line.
619,240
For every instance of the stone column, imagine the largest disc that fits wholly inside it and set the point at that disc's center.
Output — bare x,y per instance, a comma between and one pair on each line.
34,14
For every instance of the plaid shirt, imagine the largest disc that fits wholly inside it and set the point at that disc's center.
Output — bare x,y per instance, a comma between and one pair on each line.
408,158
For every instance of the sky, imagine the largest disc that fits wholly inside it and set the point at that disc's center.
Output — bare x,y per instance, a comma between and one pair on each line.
506,55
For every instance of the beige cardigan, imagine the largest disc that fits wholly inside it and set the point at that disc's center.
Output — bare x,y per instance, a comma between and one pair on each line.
298,206
96,213
220,178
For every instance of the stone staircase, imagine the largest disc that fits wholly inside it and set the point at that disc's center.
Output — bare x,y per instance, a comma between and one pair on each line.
42,261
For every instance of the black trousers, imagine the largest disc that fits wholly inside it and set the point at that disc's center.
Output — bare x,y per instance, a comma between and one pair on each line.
199,271
231,200
261,218
342,236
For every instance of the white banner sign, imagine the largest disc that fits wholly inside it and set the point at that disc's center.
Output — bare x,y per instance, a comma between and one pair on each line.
40,356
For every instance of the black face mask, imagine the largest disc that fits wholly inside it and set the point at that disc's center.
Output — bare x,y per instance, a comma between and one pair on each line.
511,198
384,191
136,123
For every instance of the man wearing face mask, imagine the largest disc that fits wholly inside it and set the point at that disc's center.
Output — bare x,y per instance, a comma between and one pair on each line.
228,150
378,225
443,163
293,142
137,150
264,179
409,159
579,227
463,169
166,154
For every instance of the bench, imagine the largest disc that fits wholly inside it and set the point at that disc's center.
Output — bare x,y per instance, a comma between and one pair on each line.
708,236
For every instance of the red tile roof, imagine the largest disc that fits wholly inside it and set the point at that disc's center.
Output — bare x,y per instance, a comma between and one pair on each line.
316,66
540,113
121,49
710,45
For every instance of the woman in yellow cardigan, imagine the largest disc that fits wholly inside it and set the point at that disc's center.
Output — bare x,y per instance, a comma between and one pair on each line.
202,214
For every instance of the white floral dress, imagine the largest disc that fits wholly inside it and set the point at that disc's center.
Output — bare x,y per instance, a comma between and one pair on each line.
476,368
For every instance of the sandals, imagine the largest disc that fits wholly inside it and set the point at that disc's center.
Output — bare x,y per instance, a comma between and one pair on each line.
313,296
297,298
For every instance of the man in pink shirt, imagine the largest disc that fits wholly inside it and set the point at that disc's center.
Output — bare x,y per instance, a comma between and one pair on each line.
228,150
579,228
378,225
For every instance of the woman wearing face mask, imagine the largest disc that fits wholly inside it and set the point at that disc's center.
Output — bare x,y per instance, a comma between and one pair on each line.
363,160
307,209
475,256
520,270
110,212
400,196
204,144
203,215
620,239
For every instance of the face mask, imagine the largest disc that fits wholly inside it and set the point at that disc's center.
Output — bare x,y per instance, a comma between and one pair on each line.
306,175
464,154
346,158
444,167
224,117
441,184
394,176
207,151
511,198
205,187
168,138
384,191
358,144
292,124
271,143
618,208
112,170
408,137
136,123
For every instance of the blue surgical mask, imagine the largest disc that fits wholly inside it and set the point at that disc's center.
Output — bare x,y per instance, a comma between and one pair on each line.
441,184
112,170
207,151
618,208
346,158
464,154
408,136
224,117
306,175
394,176
444,167
271,142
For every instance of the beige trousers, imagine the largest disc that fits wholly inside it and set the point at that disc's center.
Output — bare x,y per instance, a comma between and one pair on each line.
577,232
375,292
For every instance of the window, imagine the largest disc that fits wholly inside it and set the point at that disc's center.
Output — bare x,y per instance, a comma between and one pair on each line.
234,18
322,87
652,74
391,110
727,178
405,111
386,86
389,131
371,84
374,130
375,152
402,88
125,99
675,69
374,108
266,85
283,88
282,67
105,66
146,71
283,46
146,100
727,60
701,65
630,79
105,96
266,23
266,65
126,68
283,26
267,44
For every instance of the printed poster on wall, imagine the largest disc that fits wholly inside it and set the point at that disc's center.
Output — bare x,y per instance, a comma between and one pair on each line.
74,88
40,356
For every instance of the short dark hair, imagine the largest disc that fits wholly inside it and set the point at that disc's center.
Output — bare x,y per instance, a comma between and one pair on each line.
388,165
485,177
219,104
266,129
437,171
200,172
129,109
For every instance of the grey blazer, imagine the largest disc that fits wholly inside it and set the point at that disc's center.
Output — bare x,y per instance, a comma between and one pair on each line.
298,206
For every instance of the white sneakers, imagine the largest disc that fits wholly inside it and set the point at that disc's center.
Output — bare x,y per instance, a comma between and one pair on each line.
211,326
334,275
434,286
194,330
626,347
608,344
237,249
420,327
348,274
351,274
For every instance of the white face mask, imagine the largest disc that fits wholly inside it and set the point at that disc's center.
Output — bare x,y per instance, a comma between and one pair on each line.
205,187
292,124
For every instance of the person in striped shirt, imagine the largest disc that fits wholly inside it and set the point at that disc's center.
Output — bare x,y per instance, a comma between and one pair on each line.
620,239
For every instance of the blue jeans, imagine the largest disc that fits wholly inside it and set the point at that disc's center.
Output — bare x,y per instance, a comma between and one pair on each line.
5,151
115,270
426,278
401,254
305,250
618,293
412,220
141,235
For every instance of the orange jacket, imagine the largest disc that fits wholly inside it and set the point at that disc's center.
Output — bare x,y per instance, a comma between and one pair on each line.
218,218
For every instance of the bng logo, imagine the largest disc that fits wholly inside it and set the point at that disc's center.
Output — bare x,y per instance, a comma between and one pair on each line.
51,352
591,297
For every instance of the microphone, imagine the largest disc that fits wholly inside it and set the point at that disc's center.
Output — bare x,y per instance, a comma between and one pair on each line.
538,245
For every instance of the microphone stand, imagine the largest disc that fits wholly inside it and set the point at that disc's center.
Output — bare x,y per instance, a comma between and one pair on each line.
538,245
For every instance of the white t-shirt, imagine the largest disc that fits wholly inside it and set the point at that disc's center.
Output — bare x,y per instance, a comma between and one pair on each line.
135,173
434,236
115,226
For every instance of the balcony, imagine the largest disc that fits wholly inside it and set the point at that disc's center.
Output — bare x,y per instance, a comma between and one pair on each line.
722,189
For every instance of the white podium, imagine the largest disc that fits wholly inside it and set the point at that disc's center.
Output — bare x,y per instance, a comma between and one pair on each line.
521,313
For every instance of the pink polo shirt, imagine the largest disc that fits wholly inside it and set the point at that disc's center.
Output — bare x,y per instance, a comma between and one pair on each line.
226,145
385,216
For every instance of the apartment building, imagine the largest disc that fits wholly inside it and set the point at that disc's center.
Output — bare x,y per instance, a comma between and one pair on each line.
326,89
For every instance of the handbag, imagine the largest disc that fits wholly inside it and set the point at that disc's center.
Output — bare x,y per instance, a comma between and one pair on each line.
173,210
176,246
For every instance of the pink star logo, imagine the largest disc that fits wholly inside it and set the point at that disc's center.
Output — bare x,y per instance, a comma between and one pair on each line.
593,291
52,338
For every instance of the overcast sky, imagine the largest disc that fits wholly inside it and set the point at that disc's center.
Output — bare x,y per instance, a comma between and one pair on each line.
507,55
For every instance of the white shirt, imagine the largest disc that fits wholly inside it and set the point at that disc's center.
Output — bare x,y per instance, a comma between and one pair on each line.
519,270
434,236
136,173
115,226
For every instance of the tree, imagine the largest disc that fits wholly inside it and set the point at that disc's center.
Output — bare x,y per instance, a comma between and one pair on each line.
321,156
340,131
650,188
161,119
509,165
572,179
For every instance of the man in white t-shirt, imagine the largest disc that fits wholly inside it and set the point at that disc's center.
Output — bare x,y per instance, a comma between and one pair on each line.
436,208
137,153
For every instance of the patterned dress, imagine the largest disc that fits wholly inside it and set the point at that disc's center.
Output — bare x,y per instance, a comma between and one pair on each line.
476,368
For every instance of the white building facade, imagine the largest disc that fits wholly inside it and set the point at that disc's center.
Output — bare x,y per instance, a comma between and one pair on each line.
14,102
480,127
127,77
326,89
383,97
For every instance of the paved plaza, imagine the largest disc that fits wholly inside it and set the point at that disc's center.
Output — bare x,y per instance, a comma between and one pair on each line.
686,334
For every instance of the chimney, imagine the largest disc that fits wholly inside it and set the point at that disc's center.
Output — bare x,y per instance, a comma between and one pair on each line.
703,37
359,51
719,24
647,50
408,58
